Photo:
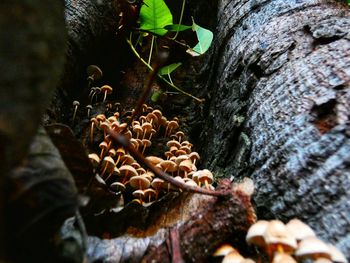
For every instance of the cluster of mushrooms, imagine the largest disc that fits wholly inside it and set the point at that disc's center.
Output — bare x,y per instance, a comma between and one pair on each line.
122,173
284,243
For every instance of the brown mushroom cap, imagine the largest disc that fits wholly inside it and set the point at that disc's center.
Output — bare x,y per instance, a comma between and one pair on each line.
154,159
158,113
277,235
157,183
117,186
149,194
173,125
168,154
103,145
94,159
168,166
186,165
180,152
173,143
146,142
146,127
173,149
112,152
141,170
120,151
107,88
136,165
152,117
206,175
100,117
179,159
312,247
299,229
194,156
127,170
139,182
186,149
255,235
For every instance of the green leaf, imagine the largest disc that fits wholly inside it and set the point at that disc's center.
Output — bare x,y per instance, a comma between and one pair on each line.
204,36
169,68
177,27
156,95
154,16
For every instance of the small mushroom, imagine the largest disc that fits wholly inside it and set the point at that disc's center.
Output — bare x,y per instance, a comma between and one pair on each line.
146,143
106,89
139,194
255,235
139,182
94,73
299,229
313,248
76,105
168,165
278,238
154,159
94,122
205,177
233,257
104,147
118,187
172,125
107,165
89,108
127,171
157,184
150,194
179,136
186,167
94,159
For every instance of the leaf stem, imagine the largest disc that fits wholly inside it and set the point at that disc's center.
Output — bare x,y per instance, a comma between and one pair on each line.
181,16
161,77
151,50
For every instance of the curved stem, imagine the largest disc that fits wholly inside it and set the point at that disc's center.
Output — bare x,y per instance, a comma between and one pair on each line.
151,50
161,77
181,16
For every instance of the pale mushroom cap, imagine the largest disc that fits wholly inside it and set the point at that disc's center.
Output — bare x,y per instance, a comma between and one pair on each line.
276,234
246,186
120,151
127,170
101,117
141,170
173,149
206,175
138,194
150,193
158,113
173,143
181,158
312,247
180,134
94,159
127,159
112,152
232,257
157,183
168,165
117,186
76,103
146,142
186,165
255,235
299,229
139,182
152,117
154,159
173,124
283,258
103,145
191,182
180,152
336,255
109,162
186,149
146,127
136,165
223,250
194,156
106,88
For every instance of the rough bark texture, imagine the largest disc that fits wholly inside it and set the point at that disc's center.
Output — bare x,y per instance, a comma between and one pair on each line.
32,47
285,67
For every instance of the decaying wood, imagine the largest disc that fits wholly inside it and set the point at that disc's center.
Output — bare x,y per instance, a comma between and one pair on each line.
203,222
281,88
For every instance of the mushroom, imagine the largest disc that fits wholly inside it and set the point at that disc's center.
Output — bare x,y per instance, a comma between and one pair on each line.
179,136
278,238
94,122
168,165
223,250
255,235
94,73
139,182
96,91
146,128
146,143
115,172
314,248
127,159
104,147
152,118
157,184
139,194
205,177
107,165
76,105
127,171
150,194
94,159
154,159
106,89
120,152
138,130
118,187
89,108
186,167
299,229
172,125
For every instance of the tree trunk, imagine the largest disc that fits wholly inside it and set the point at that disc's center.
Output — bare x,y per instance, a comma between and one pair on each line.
284,66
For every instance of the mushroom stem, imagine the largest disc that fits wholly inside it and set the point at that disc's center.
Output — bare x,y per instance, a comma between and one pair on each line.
104,170
92,133
105,96
76,105
206,184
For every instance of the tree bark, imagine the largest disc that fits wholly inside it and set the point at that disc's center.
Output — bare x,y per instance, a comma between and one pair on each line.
283,68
